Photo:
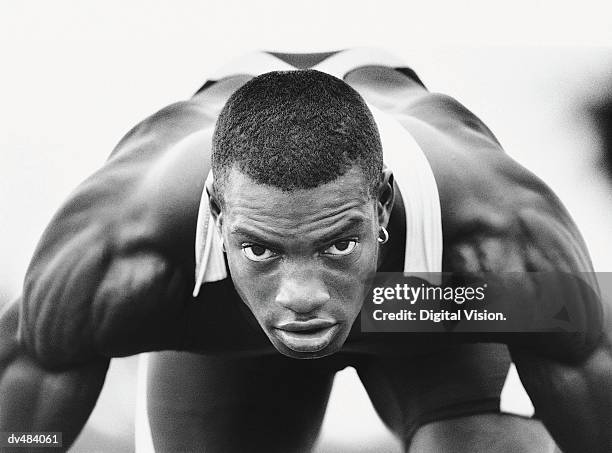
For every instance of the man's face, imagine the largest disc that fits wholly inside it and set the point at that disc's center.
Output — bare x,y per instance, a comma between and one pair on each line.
301,260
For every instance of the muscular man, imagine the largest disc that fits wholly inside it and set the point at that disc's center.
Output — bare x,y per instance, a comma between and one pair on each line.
300,211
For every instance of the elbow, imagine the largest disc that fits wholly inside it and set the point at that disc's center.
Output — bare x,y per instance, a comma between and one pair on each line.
55,326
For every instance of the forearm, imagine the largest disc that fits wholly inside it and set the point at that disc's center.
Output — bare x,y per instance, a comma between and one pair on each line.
33,398
573,400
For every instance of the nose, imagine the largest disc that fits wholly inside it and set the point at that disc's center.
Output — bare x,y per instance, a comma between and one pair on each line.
302,295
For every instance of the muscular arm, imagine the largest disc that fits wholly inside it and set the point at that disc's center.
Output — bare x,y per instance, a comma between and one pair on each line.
521,226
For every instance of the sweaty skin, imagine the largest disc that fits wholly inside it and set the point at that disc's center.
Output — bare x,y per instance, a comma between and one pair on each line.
113,273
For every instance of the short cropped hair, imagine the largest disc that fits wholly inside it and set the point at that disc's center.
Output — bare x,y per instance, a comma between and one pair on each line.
296,130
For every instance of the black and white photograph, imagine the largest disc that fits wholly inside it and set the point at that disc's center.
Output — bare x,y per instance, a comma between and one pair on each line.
327,227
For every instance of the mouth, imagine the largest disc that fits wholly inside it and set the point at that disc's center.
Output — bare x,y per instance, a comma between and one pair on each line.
308,336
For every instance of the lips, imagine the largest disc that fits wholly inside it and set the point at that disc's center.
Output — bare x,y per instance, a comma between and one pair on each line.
307,336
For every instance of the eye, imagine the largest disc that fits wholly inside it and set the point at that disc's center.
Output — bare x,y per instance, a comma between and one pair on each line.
341,248
256,252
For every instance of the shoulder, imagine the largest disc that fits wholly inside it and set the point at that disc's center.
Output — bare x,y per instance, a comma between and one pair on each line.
124,235
506,219
490,203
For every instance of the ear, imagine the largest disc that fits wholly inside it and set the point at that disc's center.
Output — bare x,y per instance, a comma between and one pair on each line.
214,204
386,197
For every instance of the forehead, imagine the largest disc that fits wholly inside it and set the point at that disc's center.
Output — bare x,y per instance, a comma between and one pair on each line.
249,201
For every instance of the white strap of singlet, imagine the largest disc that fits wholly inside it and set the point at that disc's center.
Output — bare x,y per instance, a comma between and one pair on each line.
417,184
210,263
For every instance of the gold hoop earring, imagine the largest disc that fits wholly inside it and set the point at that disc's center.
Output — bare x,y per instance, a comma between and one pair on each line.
385,236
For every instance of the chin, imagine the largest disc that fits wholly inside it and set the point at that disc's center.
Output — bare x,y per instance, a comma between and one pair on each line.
306,355
332,348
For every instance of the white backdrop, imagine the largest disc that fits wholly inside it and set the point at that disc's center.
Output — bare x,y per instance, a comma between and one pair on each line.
75,76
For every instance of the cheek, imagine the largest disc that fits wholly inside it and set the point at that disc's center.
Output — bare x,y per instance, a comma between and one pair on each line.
348,281
256,288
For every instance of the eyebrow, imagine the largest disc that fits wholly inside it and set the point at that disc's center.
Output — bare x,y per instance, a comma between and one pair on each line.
350,224
251,235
